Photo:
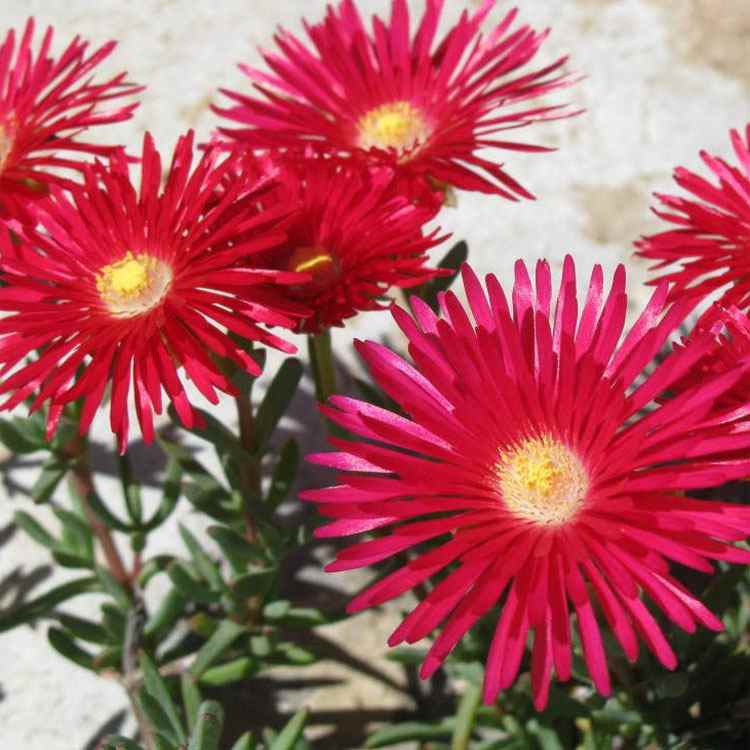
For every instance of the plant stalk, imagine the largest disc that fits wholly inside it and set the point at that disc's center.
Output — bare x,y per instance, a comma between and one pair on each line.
322,364
83,482
133,635
250,478
148,736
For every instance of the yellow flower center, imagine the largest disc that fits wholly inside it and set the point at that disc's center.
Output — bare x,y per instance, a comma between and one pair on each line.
134,284
397,125
316,261
542,480
127,277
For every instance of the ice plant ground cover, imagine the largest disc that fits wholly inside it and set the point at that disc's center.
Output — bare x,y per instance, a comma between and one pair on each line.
554,498
136,281
543,505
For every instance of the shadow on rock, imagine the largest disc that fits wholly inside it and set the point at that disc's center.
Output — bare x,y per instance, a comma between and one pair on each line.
113,725
16,586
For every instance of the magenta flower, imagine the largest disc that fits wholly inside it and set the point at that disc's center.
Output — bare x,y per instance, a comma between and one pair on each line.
354,233
388,97
526,459
710,241
45,104
128,286
730,329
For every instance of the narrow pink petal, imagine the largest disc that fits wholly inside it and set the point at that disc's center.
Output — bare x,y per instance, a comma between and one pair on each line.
593,650
541,665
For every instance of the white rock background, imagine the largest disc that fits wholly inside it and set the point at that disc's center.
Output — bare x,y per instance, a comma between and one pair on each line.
665,78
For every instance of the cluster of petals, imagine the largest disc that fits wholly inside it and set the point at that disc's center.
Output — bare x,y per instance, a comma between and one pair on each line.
710,241
125,286
45,103
353,231
424,107
730,329
531,468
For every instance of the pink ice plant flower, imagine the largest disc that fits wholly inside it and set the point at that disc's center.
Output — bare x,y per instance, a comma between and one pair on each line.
354,233
532,470
46,103
404,100
707,249
137,287
730,329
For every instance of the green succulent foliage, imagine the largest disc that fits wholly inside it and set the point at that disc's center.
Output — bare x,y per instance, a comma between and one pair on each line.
222,613
702,705
206,725
24,435
227,619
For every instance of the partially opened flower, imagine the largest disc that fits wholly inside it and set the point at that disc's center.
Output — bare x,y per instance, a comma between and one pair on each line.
710,241
45,104
128,287
526,461
354,233
424,107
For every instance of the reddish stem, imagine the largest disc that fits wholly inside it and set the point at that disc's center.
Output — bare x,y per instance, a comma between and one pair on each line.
84,486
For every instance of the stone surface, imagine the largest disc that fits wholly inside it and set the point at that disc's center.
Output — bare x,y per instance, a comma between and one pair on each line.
663,80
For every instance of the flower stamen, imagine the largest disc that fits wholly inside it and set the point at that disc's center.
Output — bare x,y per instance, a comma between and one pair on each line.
134,284
396,125
542,480
316,261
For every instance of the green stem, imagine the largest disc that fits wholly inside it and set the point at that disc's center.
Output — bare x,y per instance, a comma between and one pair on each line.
250,478
322,365
249,470
131,491
466,717
245,420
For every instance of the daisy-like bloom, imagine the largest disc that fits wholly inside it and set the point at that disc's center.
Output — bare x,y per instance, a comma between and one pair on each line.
730,329
354,233
527,473
423,107
127,287
711,239
45,103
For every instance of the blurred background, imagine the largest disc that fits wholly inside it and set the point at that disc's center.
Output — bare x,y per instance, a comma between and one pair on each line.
663,80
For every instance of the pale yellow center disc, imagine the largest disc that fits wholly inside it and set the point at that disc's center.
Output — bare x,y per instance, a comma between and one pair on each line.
397,125
134,284
542,480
